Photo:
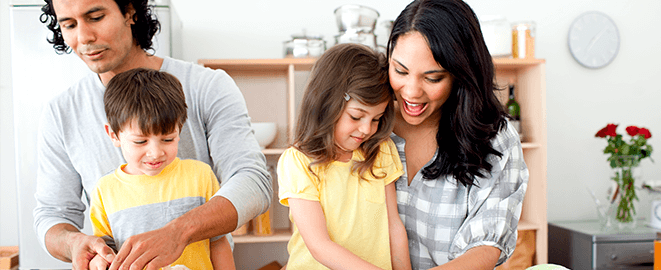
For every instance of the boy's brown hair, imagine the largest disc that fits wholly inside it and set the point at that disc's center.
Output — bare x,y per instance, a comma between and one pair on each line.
155,99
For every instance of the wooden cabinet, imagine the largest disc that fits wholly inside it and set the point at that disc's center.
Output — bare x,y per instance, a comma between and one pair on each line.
273,88
529,78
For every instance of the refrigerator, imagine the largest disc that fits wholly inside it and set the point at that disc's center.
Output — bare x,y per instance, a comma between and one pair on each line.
38,75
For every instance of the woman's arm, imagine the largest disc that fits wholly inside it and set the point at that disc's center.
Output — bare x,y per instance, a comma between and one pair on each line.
488,235
481,257
311,223
221,254
399,243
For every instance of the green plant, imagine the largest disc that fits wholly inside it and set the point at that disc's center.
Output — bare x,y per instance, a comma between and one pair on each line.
624,156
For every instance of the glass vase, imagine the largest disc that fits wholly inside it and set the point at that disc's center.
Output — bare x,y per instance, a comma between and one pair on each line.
624,200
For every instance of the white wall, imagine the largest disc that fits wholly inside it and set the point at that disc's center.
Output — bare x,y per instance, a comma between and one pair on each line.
580,101
8,206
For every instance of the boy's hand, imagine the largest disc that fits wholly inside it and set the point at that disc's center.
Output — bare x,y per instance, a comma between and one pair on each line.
99,263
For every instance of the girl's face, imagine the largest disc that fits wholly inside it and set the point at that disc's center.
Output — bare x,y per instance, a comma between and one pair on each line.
421,85
357,123
145,154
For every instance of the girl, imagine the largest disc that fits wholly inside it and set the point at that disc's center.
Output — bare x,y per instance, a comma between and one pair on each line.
338,177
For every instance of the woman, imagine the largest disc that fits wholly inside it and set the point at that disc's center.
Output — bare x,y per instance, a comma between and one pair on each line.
461,194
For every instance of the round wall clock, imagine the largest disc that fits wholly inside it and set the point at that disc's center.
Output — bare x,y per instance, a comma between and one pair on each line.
593,39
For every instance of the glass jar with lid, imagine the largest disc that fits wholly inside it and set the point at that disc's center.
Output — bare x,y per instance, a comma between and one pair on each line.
496,32
302,46
523,39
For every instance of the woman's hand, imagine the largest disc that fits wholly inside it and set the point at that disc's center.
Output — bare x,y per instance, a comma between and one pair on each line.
481,257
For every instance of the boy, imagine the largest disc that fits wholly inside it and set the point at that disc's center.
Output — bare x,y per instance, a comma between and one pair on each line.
146,110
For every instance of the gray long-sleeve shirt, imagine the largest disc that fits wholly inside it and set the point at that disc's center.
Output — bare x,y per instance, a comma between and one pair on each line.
74,151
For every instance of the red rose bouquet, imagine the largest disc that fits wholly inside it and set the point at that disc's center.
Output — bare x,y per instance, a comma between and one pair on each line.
623,157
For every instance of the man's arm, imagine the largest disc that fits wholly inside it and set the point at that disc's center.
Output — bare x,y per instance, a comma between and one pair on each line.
60,211
237,157
65,242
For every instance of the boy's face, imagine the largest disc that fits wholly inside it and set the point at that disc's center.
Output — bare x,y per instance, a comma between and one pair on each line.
145,154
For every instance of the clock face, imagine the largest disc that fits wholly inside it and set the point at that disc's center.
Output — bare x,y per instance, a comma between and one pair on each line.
593,39
657,212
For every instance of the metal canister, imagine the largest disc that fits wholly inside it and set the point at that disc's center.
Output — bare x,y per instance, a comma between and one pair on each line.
304,46
523,39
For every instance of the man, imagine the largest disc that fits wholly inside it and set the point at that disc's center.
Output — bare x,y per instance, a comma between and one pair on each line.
112,36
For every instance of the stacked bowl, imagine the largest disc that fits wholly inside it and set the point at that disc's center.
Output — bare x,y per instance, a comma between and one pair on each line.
356,24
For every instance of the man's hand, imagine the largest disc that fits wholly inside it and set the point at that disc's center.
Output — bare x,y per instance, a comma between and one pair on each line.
153,250
67,243
88,247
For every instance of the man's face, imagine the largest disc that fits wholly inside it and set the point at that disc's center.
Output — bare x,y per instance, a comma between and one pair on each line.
97,32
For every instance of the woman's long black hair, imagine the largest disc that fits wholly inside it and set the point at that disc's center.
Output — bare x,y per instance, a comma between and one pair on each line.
472,115
144,29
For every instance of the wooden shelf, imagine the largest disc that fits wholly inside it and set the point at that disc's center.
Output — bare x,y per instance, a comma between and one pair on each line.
273,151
307,63
281,64
280,235
527,145
516,63
526,225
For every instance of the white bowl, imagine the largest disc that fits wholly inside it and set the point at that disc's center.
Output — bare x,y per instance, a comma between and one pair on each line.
264,132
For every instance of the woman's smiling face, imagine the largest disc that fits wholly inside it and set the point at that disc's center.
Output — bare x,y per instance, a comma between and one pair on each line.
421,85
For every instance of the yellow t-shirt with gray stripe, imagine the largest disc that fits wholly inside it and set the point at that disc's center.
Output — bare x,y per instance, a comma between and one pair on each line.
124,205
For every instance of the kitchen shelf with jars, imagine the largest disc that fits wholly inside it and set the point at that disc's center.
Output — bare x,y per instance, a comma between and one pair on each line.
273,88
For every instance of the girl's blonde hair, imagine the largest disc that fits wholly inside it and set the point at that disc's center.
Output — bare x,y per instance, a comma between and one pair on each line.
352,69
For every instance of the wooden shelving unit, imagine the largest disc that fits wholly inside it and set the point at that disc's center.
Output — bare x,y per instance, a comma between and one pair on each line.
529,78
273,88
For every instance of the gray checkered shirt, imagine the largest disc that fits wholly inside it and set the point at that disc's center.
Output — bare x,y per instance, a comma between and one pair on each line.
444,219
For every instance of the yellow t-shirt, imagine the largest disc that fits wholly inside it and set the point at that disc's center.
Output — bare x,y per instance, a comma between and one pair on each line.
124,205
355,209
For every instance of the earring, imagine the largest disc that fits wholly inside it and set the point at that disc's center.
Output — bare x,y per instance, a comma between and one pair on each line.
346,96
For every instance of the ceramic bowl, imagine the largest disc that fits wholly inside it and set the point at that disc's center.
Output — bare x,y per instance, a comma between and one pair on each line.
264,132
356,18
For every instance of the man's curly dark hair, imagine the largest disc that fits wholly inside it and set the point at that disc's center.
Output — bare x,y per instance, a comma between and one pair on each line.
145,27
